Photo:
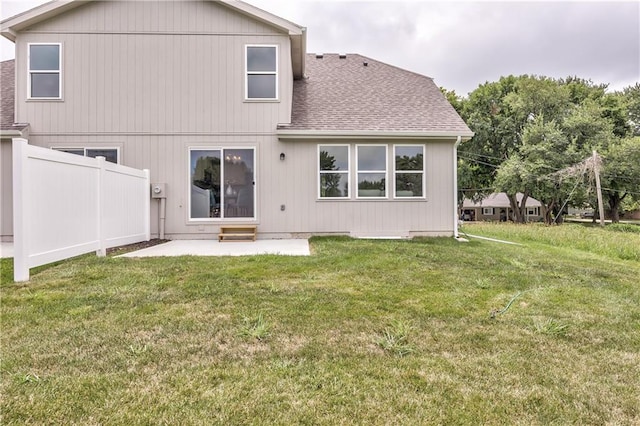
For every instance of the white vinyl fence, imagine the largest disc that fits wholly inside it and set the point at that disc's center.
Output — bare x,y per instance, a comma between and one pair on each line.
65,205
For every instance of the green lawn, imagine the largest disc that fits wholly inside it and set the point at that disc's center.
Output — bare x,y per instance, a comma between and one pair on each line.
429,331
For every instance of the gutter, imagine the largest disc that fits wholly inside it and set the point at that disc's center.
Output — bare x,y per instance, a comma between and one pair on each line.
286,134
455,187
15,132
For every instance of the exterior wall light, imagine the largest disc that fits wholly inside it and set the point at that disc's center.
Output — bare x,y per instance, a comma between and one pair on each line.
282,156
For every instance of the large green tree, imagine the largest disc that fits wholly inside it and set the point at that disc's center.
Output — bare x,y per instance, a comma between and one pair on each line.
621,174
496,136
527,128
545,149
631,98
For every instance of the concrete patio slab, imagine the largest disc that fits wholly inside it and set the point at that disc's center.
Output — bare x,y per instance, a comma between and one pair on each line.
297,247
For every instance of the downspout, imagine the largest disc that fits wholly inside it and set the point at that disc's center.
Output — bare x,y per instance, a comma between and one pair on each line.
163,216
455,187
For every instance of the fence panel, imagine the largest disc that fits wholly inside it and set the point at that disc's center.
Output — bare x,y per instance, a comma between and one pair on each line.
123,222
66,205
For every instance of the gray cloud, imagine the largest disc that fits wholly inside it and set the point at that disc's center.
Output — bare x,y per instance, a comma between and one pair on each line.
464,44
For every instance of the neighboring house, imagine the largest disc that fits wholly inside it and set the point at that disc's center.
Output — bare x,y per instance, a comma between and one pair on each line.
496,207
221,102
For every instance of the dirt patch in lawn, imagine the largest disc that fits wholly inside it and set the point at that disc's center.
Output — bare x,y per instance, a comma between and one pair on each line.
116,251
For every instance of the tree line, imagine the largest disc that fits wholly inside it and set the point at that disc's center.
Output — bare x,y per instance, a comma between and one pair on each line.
532,133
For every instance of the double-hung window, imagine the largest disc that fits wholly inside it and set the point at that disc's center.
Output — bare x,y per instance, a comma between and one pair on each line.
409,171
45,76
372,170
334,171
261,73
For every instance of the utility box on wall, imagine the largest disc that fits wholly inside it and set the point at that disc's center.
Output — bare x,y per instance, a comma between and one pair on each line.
158,190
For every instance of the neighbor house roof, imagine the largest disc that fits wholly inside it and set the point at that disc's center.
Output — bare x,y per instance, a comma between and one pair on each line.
7,96
297,34
499,200
355,95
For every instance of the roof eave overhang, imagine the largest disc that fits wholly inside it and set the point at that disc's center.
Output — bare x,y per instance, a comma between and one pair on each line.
11,26
289,134
297,34
16,132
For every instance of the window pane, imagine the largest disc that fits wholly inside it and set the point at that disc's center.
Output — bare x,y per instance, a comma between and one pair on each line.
409,158
205,183
371,184
238,176
110,155
372,158
44,57
409,185
45,85
334,185
261,58
261,86
71,150
334,158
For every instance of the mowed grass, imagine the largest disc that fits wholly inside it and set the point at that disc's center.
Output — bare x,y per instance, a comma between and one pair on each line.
429,331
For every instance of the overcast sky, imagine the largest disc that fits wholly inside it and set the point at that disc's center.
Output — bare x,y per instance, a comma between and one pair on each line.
464,44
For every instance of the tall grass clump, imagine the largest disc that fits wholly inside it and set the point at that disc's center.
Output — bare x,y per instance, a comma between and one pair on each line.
395,339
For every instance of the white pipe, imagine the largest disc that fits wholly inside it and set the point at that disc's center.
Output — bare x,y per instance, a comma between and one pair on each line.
163,215
455,187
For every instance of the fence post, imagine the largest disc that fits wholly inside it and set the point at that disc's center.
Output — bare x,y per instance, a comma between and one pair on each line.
102,251
20,240
147,203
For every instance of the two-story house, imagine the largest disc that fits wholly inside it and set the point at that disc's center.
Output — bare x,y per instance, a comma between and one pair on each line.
222,103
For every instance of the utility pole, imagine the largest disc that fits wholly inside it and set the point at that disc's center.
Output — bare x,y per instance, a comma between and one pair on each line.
596,172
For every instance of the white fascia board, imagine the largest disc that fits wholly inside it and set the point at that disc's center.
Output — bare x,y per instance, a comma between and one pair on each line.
264,16
285,134
11,26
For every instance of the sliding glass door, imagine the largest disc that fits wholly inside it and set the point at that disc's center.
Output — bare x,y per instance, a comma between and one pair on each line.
222,183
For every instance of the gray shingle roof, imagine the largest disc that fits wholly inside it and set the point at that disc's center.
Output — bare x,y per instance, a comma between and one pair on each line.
345,94
500,200
7,96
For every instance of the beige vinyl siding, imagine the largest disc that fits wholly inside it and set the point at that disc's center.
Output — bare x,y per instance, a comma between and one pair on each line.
292,183
126,68
305,212
156,78
6,190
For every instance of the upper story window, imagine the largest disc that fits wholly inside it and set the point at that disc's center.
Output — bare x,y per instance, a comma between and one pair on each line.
261,72
45,80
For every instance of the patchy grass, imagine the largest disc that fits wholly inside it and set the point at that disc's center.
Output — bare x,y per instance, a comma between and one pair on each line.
614,240
172,340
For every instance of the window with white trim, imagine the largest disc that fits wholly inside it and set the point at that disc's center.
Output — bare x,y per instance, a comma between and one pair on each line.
261,76
409,171
333,168
487,211
533,211
221,182
371,161
45,71
111,154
